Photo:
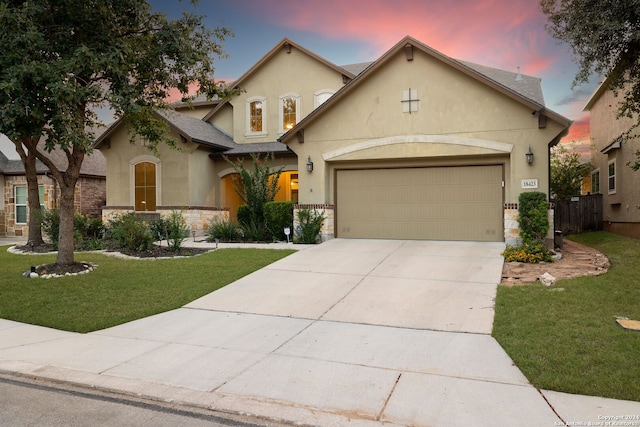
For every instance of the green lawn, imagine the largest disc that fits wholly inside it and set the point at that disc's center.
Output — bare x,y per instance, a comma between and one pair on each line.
119,290
565,337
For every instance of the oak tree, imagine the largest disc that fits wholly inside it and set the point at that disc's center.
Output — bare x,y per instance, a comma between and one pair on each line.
63,59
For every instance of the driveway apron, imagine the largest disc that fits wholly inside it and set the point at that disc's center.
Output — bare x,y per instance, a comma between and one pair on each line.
357,332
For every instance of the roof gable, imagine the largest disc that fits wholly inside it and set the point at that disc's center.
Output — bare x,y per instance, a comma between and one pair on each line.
286,45
523,89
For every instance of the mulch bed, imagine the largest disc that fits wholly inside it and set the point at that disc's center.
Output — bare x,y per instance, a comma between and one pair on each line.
78,267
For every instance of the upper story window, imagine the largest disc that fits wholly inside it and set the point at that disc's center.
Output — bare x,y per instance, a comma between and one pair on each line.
595,181
612,176
321,96
256,116
289,112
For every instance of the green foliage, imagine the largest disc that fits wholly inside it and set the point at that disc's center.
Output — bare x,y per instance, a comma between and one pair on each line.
567,172
533,212
277,216
223,230
256,186
61,60
604,38
173,229
533,253
310,222
88,232
605,42
254,232
244,214
534,225
177,230
51,226
127,231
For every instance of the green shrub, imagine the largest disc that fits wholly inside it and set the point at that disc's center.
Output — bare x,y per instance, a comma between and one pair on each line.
310,223
277,216
158,228
243,215
223,230
88,233
533,217
51,226
177,230
256,186
528,252
255,232
127,231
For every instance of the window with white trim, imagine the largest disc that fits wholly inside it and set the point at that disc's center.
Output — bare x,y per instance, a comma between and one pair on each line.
595,181
20,202
612,176
256,116
289,111
321,96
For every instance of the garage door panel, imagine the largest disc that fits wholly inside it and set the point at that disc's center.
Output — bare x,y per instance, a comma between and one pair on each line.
452,203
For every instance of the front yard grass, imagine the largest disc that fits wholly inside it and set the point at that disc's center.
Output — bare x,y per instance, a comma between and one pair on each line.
119,290
565,337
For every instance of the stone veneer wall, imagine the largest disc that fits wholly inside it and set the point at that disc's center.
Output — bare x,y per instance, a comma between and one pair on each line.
197,218
8,216
327,232
512,228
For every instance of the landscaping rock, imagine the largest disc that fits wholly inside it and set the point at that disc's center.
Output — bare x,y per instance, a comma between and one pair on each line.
547,279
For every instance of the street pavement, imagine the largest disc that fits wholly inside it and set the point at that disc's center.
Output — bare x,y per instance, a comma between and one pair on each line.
349,332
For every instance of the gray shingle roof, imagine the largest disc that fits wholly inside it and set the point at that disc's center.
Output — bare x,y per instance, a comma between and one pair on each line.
94,164
356,69
263,147
197,130
527,86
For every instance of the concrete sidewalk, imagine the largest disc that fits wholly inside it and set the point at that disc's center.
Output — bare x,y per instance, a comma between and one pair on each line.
350,332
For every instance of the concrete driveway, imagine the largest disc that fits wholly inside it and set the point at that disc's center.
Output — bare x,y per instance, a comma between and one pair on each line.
350,332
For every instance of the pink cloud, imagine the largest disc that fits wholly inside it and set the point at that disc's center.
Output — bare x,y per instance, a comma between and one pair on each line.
505,33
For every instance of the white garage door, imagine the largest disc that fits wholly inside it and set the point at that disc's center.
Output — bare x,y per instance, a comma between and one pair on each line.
437,203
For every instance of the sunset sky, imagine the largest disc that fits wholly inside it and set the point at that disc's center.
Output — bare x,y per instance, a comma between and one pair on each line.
504,34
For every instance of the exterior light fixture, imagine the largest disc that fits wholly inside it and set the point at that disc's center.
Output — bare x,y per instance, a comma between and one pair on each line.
529,156
309,164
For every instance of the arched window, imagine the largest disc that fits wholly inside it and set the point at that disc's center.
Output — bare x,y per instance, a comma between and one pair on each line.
256,116
289,111
145,186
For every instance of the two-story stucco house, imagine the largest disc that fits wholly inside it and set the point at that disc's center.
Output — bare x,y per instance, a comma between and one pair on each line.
415,145
612,151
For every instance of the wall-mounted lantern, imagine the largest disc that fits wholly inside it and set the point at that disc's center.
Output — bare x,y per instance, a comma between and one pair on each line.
309,164
529,156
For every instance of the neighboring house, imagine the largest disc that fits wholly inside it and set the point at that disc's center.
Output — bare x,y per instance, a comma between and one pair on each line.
415,145
612,152
90,194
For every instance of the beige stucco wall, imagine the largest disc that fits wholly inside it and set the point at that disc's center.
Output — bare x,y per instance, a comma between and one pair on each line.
223,119
623,206
185,175
459,121
284,73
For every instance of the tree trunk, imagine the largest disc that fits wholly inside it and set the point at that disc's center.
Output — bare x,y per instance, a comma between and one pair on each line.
28,158
67,212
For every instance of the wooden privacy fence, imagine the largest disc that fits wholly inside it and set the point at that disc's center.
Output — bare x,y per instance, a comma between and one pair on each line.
583,213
